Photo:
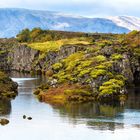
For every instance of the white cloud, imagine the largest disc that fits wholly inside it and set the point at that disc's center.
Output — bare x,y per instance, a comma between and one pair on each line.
59,26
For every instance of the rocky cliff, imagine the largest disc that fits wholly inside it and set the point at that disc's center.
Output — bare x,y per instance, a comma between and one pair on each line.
100,70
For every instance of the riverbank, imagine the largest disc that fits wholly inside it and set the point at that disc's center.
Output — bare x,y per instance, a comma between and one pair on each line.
94,120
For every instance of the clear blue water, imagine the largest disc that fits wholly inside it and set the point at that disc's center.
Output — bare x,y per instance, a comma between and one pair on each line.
87,121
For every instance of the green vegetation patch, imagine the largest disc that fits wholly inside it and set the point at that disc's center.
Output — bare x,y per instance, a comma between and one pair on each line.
55,45
116,56
98,72
57,66
113,86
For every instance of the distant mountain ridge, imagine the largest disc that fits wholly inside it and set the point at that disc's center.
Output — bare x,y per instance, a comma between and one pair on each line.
13,20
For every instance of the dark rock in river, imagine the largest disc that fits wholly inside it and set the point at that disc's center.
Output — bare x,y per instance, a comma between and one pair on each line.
29,118
4,121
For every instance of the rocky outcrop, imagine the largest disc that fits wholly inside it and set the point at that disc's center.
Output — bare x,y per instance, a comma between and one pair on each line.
20,57
107,68
8,88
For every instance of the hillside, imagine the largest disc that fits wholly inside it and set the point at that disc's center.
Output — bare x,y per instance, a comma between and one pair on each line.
14,20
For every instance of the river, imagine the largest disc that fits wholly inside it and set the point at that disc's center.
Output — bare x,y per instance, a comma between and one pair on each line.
89,121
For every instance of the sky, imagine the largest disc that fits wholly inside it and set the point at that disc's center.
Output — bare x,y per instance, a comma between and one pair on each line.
89,8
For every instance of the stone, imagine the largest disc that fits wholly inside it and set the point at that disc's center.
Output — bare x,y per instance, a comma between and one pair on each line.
24,116
4,121
29,118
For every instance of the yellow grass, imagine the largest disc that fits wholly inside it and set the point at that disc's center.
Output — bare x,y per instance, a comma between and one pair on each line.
55,45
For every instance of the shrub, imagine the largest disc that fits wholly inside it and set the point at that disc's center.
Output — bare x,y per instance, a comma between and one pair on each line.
24,35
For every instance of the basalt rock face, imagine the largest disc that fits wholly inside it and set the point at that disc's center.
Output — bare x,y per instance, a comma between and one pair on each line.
23,58
16,56
20,57
6,46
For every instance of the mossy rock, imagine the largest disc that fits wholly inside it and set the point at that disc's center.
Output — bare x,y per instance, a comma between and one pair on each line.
4,121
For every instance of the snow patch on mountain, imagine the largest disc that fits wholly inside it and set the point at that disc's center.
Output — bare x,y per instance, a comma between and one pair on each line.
129,22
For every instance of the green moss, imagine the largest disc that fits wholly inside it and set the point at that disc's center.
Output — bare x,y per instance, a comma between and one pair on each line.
100,58
114,81
41,56
61,76
100,67
84,72
120,77
9,94
105,65
86,63
113,86
3,52
57,66
137,52
98,72
93,49
74,57
116,56
104,43
71,65
71,61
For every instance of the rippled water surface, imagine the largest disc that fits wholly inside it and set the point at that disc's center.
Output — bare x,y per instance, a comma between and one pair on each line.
70,122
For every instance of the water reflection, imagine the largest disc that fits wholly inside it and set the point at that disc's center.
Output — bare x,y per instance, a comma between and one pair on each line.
88,110
5,106
102,116
84,121
94,115
104,125
133,101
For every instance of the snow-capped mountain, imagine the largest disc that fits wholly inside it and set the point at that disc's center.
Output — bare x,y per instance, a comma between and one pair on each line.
13,20
129,22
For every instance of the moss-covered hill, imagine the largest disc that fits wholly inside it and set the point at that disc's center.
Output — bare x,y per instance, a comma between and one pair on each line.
79,67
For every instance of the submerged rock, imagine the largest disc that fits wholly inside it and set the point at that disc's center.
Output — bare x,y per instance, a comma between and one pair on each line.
29,118
24,116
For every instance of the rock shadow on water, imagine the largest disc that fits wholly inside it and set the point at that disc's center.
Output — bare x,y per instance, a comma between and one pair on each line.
5,106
